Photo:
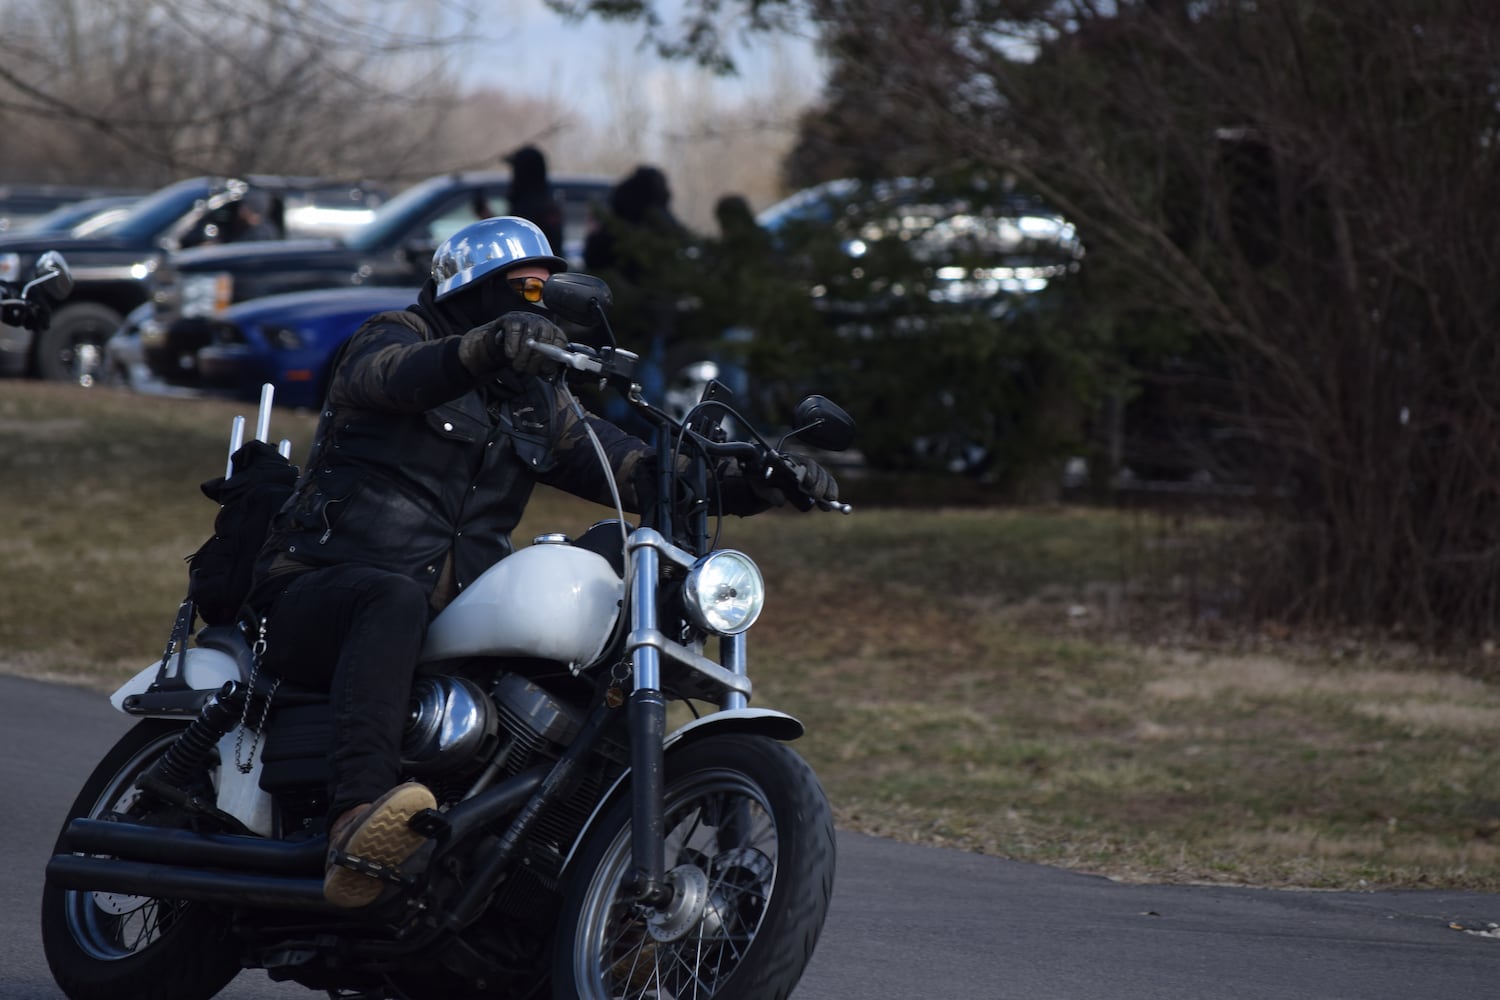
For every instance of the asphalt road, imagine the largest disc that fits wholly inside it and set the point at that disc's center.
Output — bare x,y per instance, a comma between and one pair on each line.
907,922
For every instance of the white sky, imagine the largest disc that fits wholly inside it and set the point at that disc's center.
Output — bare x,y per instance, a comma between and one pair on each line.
546,47
581,63
629,106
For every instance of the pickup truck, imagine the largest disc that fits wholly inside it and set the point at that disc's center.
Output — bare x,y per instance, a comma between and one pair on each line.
194,288
113,268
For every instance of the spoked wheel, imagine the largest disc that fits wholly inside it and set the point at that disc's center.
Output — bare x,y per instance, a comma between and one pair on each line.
750,858
105,945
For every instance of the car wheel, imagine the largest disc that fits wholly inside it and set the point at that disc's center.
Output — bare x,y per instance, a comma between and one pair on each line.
72,348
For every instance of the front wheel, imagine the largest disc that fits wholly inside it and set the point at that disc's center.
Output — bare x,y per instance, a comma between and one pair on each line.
106,945
750,855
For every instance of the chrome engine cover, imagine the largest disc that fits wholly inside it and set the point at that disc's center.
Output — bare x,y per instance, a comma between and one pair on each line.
451,722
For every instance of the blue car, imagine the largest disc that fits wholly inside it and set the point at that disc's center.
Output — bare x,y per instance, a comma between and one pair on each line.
287,340
290,341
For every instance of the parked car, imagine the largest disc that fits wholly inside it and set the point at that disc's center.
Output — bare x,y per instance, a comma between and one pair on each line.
394,248
287,340
291,340
956,261
22,204
979,245
81,218
113,267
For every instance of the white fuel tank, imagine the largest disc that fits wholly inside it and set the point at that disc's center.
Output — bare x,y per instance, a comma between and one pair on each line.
552,601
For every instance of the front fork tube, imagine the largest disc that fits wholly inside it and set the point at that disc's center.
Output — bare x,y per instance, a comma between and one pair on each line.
648,734
648,731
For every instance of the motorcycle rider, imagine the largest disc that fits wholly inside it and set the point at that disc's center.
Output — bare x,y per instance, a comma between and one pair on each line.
439,421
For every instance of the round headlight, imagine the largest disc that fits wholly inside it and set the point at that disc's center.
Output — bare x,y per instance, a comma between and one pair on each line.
724,592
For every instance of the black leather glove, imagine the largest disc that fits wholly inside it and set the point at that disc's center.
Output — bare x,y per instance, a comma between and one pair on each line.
503,342
815,485
35,316
816,482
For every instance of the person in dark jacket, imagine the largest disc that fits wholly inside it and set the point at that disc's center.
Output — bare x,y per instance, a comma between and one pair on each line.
640,247
439,421
531,196
253,218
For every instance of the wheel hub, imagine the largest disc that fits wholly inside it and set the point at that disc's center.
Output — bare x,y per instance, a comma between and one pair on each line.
689,899
119,904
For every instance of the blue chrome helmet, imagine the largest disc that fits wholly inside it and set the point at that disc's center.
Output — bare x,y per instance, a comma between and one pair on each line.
486,246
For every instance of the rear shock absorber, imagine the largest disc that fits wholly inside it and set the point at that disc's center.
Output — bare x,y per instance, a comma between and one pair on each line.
171,776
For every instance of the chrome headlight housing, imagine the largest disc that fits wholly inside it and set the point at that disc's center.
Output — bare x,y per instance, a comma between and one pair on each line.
724,592
206,294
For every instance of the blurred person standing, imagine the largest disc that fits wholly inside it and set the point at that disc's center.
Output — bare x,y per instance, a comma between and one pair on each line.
638,245
531,195
253,218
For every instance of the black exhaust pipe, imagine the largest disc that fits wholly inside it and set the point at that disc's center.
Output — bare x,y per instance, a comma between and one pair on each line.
139,878
227,868
186,849
304,858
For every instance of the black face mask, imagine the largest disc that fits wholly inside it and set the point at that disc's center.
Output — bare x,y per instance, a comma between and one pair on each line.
486,299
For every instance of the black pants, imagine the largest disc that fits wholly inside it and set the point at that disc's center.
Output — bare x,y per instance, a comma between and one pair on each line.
356,631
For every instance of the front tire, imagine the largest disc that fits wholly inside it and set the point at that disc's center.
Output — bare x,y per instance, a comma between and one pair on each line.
104,946
750,849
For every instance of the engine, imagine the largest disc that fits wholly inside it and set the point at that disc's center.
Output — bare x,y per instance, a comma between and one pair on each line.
457,733
457,736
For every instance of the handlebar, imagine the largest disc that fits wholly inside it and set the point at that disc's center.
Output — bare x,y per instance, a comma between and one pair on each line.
576,360
756,456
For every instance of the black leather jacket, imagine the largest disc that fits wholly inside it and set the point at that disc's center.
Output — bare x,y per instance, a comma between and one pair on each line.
421,468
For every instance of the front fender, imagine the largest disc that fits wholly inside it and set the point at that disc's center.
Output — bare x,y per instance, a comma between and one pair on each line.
753,721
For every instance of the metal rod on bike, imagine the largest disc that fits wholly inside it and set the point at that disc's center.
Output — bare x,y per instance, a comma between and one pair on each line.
648,731
732,656
236,438
263,415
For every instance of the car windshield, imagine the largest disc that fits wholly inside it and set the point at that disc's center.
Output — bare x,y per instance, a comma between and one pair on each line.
65,217
154,213
396,217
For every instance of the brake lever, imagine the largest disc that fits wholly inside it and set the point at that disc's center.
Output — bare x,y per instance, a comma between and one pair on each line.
776,467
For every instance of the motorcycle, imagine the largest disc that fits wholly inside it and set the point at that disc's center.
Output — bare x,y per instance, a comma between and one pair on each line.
578,848
29,304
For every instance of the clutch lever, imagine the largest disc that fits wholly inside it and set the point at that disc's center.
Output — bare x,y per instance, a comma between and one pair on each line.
563,356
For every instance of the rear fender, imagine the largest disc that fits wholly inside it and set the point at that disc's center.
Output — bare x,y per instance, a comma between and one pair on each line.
752,721
202,669
239,793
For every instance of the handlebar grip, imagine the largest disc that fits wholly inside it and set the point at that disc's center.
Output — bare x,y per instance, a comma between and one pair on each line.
565,357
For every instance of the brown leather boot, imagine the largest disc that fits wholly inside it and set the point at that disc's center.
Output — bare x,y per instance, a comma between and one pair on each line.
378,833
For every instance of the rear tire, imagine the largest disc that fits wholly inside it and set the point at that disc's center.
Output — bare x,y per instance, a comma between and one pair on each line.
105,946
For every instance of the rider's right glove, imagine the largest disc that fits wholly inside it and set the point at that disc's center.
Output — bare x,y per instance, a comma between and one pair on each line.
503,343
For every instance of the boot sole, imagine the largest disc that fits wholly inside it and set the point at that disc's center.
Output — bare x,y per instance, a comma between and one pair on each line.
383,836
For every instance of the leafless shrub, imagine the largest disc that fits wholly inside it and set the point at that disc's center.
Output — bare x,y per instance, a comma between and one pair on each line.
1303,188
